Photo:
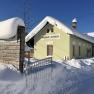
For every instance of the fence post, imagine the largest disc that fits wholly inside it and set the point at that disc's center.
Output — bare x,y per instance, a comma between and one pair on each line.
22,47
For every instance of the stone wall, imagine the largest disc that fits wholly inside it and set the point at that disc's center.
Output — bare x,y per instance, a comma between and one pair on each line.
10,52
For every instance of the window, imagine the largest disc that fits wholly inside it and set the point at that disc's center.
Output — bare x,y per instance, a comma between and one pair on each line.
48,30
52,30
79,50
89,51
49,50
73,50
93,51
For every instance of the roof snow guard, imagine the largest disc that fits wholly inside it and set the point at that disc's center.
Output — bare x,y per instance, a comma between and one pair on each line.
60,25
8,28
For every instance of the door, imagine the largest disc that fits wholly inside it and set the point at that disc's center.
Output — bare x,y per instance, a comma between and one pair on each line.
49,50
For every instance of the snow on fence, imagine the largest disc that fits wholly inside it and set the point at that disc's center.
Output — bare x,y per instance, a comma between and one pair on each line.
31,67
40,69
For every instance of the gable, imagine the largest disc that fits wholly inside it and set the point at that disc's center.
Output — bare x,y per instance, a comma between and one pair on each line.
53,22
43,32
54,34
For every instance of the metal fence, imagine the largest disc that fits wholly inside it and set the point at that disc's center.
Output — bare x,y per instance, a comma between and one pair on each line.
38,70
32,67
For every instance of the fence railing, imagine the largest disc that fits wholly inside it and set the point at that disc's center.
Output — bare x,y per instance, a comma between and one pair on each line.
39,69
37,65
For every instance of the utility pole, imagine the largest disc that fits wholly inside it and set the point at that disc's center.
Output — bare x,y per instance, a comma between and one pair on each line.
27,14
26,18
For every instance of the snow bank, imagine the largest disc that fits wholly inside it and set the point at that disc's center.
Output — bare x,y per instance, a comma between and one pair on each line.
8,72
78,63
2,67
5,66
88,61
52,80
74,63
63,80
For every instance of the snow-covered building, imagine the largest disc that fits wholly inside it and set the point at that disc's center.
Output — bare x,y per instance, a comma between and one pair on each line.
9,28
12,40
90,34
52,38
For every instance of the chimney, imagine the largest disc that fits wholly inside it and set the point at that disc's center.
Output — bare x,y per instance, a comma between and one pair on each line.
74,23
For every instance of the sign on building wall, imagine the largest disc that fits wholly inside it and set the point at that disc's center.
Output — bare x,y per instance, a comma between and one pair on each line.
52,36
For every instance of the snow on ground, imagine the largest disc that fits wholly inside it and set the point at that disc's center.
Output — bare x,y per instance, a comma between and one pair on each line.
67,77
74,63
80,62
8,72
5,66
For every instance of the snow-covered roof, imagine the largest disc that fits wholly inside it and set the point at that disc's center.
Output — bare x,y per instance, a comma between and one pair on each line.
90,34
60,25
83,36
8,28
74,20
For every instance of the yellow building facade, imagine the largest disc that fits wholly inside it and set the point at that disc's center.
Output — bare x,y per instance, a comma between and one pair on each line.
56,40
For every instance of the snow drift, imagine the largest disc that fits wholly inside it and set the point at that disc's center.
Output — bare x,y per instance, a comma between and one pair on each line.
62,78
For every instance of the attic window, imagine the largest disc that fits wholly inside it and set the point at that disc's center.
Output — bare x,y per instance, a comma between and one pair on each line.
48,30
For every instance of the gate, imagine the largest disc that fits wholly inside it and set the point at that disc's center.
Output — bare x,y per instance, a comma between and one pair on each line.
38,71
37,65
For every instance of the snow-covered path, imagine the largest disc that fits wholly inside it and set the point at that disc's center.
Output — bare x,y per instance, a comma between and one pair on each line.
87,87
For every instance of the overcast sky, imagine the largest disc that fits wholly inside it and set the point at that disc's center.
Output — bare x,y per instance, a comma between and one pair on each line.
63,10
